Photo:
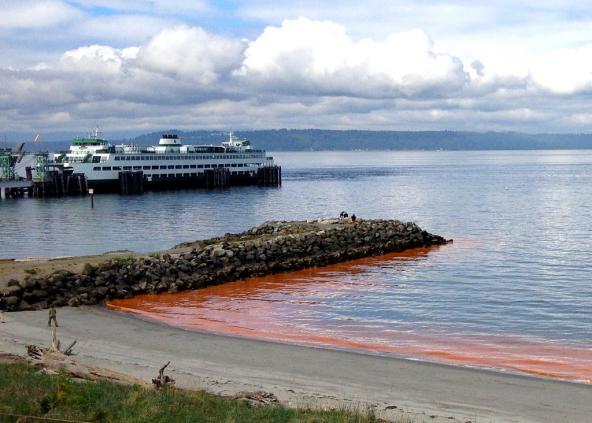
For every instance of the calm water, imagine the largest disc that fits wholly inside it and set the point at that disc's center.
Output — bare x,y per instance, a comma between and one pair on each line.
515,283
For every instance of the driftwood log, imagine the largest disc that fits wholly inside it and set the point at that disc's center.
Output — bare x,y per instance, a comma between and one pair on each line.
34,352
162,380
68,350
258,397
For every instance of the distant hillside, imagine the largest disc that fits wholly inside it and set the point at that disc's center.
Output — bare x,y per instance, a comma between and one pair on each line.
320,139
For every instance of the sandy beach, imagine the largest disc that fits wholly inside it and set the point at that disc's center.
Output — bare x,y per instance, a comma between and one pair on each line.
301,375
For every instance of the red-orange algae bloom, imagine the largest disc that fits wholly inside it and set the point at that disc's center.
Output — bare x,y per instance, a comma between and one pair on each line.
261,308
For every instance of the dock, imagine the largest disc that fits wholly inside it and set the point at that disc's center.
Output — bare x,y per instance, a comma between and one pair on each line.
35,175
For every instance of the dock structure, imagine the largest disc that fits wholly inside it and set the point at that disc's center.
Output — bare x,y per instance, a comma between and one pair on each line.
270,176
131,182
58,185
217,178
14,189
94,163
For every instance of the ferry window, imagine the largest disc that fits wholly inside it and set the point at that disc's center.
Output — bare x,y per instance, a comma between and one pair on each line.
96,168
116,167
194,174
136,158
220,165
207,166
106,167
200,166
192,166
233,165
185,166
171,175
171,166
146,167
227,165
127,168
178,167
163,167
116,158
154,167
137,167
240,165
155,176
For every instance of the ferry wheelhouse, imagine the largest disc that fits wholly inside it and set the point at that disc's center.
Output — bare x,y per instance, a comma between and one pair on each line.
170,164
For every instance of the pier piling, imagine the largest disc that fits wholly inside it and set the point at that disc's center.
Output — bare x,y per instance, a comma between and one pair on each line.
270,176
131,182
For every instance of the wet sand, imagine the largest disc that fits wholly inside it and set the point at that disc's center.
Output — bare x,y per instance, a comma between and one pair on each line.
301,375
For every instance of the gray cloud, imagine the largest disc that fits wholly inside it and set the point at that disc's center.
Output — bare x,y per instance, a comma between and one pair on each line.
302,73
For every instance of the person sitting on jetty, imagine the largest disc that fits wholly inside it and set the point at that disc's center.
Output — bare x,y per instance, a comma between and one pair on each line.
52,316
353,218
343,215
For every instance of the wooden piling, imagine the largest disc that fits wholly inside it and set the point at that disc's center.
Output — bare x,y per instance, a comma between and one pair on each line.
270,176
217,178
131,182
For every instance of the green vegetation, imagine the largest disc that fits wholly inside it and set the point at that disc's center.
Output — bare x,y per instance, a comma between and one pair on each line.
26,392
124,261
89,269
31,271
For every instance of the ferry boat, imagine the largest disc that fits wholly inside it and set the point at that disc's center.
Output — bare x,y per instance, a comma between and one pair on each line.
170,164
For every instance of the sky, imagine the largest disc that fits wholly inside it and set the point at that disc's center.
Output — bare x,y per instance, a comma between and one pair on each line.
145,65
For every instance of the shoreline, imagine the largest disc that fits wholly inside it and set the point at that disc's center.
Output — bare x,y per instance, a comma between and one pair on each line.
133,314
300,375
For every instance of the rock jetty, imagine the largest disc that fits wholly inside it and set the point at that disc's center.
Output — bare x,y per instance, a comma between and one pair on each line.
272,247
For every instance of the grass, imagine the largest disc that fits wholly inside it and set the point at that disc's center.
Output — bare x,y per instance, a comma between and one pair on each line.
123,261
24,391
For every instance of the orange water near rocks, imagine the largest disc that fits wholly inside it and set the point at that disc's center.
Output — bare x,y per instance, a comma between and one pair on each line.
295,308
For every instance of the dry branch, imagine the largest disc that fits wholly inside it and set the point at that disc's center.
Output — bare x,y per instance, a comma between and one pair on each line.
163,381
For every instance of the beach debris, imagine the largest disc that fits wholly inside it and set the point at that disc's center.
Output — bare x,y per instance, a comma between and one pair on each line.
68,351
163,381
34,352
258,397
55,344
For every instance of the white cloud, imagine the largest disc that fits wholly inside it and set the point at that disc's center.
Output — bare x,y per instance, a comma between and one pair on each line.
319,57
30,14
96,60
565,71
191,54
